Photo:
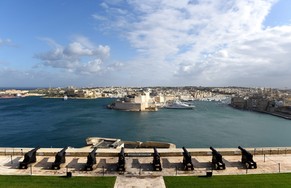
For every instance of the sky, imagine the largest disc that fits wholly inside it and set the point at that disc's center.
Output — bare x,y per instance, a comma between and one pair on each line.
97,43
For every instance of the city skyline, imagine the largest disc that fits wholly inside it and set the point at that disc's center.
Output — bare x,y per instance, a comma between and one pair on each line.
149,43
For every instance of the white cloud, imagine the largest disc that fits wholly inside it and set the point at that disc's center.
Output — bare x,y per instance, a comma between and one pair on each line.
80,56
5,42
99,17
221,42
93,66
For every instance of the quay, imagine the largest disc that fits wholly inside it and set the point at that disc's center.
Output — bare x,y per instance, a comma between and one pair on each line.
138,163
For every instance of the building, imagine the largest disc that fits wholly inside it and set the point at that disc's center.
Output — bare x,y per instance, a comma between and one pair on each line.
140,102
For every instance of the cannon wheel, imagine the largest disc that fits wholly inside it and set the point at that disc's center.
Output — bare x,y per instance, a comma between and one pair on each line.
247,165
215,166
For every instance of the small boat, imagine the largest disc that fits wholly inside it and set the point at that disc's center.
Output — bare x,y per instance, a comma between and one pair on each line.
178,105
65,98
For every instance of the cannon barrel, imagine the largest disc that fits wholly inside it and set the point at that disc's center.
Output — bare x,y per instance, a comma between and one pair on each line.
245,152
60,156
29,157
31,154
93,152
242,149
91,156
35,149
186,153
213,150
215,153
185,150
156,152
121,153
63,150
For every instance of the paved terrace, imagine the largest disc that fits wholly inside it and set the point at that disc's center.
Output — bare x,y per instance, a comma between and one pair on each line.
139,163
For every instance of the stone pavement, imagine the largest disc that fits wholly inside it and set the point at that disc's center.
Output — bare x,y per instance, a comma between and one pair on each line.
139,182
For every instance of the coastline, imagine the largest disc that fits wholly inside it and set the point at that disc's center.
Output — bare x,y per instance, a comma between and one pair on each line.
277,114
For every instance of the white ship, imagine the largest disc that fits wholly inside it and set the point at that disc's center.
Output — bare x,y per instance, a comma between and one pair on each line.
179,105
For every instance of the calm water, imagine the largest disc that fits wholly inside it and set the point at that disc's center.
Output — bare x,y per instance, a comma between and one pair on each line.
33,121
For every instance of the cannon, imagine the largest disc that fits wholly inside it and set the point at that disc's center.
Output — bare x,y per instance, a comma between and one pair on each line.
247,158
217,162
59,159
157,160
29,157
187,160
121,160
91,160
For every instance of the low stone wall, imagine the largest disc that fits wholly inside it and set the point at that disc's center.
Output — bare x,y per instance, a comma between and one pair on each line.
111,152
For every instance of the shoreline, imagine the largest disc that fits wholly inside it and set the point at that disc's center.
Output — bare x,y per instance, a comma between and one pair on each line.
277,114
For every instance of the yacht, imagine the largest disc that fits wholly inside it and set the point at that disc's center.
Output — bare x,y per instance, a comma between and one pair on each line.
179,105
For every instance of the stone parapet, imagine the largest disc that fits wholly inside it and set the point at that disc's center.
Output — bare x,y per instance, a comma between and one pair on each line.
164,152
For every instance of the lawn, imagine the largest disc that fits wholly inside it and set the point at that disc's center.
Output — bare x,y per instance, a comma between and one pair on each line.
257,181
55,181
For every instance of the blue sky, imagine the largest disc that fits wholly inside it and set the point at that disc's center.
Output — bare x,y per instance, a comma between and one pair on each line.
145,43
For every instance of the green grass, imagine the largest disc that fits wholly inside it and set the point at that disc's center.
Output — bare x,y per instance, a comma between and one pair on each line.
55,182
257,181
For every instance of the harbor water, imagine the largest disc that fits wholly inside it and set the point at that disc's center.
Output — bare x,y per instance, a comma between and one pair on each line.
35,121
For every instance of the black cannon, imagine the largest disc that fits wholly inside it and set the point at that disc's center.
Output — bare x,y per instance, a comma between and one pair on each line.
217,162
121,161
59,159
247,158
29,157
157,160
91,160
187,160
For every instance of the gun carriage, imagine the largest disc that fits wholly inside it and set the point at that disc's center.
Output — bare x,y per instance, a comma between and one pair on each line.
121,161
247,158
157,160
91,160
187,160
217,162
60,158
29,157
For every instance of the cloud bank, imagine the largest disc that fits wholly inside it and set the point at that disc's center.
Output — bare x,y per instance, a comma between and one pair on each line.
221,42
171,43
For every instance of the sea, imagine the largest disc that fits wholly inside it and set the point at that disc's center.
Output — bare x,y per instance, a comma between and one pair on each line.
47,122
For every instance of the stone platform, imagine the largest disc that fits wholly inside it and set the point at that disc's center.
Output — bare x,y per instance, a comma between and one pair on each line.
139,163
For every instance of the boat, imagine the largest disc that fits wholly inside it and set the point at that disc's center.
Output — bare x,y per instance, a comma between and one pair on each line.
179,105
65,98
